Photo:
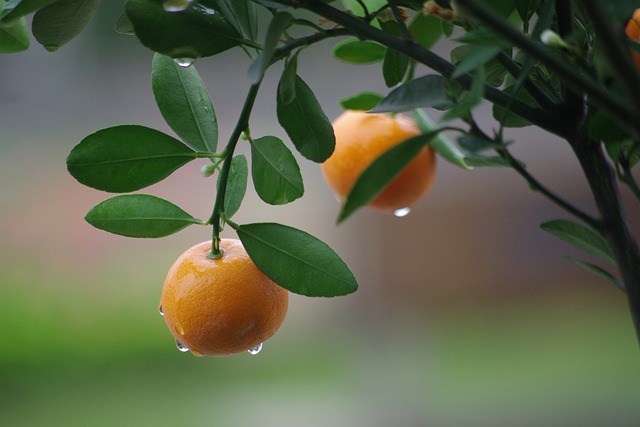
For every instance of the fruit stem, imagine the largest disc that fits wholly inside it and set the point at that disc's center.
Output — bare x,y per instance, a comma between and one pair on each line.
241,126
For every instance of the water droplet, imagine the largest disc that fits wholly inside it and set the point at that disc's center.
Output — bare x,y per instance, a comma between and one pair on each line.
255,350
185,62
183,348
160,310
399,213
176,5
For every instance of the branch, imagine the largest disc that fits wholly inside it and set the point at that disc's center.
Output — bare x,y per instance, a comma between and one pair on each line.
543,119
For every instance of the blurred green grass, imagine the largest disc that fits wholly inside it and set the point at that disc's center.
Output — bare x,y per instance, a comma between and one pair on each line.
105,359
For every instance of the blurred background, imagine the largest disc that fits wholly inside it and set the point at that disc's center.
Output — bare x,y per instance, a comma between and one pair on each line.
467,313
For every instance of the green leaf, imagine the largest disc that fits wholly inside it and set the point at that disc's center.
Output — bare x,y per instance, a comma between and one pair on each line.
394,63
296,260
275,172
598,271
470,99
382,171
507,118
482,37
422,92
242,14
526,8
14,37
440,142
139,215
278,25
581,237
192,33
470,58
426,30
55,25
124,25
184,102
126,158
361,101
479,161
359,52
287,84
503,8
306,124
621,10
15,9
236,185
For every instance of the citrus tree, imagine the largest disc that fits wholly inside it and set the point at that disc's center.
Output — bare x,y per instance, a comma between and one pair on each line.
565,66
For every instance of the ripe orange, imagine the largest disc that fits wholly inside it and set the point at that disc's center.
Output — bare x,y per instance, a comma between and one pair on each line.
633,31
361,138
221,306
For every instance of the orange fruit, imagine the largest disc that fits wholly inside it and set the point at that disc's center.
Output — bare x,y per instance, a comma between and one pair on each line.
361,138
221,306
633,32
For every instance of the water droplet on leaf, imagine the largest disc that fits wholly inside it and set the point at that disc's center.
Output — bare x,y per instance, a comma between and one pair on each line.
399,213
183,348
255,350
185,62
176,5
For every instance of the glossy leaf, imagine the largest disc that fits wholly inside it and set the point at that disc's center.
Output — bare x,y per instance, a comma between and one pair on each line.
470,99
184,102
126,158
382,171
139,215
278,25
15,9
472,58
55,25
440,142
361,101
426,30
287,84
598,271
296,260
192,33
275,171
306,124
14,37
422,92
394,63
242,14
581,237
236,185
359,52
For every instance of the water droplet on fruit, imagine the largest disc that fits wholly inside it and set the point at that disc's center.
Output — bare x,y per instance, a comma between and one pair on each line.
183,348
399,213
160,310
176,5
255,350
185,62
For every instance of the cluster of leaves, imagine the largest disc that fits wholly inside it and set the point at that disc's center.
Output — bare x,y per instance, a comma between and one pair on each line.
526,81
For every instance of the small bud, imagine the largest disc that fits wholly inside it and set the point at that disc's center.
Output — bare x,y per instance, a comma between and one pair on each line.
208,170
431,8
550,38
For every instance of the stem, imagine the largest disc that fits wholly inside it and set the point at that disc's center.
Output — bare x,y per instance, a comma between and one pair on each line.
573,79
535,185
218,207
360,28
617,53
603,185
